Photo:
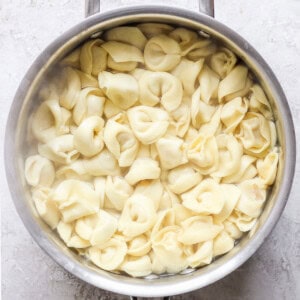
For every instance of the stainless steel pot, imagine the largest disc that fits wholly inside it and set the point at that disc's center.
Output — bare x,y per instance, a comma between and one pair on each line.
16,145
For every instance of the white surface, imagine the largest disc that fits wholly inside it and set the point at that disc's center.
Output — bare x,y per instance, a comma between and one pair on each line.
272,27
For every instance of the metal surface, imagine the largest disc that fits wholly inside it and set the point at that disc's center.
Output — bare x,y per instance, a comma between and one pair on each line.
205,6
91,7
16,146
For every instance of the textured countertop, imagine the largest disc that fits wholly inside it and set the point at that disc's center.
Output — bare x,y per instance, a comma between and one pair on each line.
272,27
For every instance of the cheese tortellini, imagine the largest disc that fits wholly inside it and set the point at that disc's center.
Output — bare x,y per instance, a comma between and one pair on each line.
155,149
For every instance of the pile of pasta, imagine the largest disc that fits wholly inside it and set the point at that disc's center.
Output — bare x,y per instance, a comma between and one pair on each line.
155,150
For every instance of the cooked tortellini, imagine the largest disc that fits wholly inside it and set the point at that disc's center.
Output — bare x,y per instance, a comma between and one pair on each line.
160,87
141,169
121,89
50,120
162,53
138,216
148,123
93,58
75,199
236,84
97,228
45,206
122,57
171,151
39,171
88,138
207,198
120,140
183,178
153,150
60,149
90,103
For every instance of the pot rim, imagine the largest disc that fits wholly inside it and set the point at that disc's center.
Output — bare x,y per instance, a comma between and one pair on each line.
147,288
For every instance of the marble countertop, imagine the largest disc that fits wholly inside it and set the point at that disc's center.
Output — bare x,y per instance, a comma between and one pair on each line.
272,27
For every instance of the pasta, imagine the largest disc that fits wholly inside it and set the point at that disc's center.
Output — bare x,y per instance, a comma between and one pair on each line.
122,57
50,120
93,58
39,171
90,103
97,228
162,53
120,140
88,136
121,89
171,152
155,149
45,206
160,87
141,169
75,199
206,198
148,123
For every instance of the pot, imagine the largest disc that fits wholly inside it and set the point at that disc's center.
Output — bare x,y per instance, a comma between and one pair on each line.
16,145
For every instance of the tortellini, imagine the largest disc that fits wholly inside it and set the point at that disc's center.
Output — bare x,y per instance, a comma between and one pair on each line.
88,138
122,57
93,58
253,196
67,233
162,53
256,134
230,154
236,84
267,168
155,149
139,245
97,228
187,71
233,113
50,120
90,103
207,198
171,151
120,140
222,243
117,190
138,216
75,199
203,153
45,206
110,255
183,178
141,169
199,254
201,112
223,61
160,87
209,83
180,118
60,149
137,266
166,245
148,123
127,34
202,225
121,89
39,171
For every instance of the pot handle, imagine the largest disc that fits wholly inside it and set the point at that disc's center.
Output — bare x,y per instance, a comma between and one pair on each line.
137,298
205,6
